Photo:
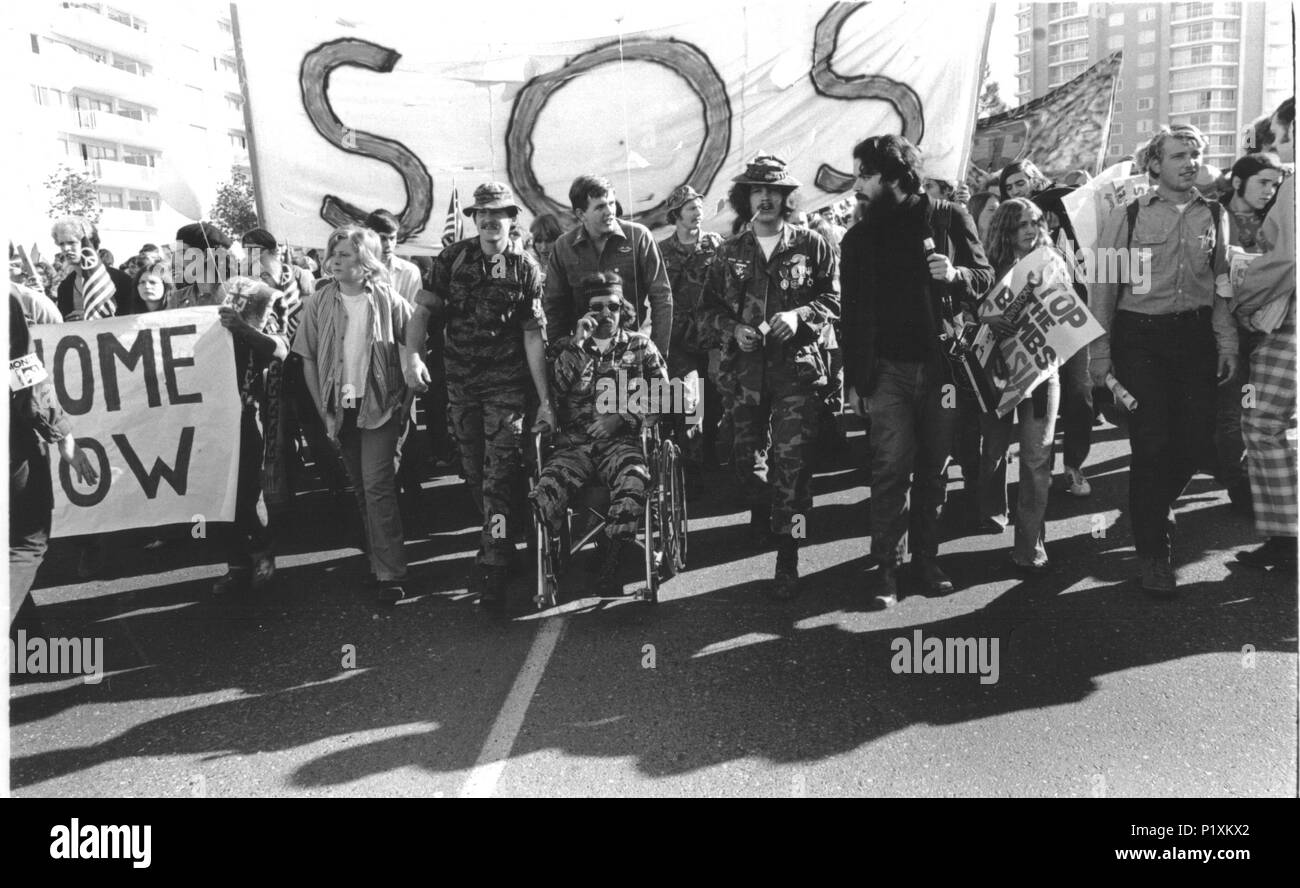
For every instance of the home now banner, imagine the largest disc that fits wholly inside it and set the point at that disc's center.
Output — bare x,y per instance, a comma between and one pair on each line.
391,105
152,399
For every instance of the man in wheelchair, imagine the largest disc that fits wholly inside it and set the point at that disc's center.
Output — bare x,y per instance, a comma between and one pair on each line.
594,376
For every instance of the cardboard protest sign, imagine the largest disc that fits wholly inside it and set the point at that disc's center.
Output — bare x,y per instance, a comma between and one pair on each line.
1052,323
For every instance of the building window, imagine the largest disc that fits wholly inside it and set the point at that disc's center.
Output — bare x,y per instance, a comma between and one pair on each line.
1146,59
1147,14
1115,42
135,112
141,202
130,66
47,97
1118,106
224,27
1145,127
1117,128
1147,81
238,140
1115,149
228,65
110,199
234,102
1146,104
1146,37
139,157
1116,20
1067,31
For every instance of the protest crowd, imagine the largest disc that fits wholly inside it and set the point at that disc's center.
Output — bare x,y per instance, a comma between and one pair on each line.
933,312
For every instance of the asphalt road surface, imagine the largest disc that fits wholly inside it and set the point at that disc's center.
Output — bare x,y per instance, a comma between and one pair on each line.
314,690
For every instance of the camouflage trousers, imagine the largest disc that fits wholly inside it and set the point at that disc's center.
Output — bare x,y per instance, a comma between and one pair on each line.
773,449
488,429
616,462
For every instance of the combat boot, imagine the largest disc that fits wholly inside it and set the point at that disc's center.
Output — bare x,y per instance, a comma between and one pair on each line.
787,569
885,594
493,584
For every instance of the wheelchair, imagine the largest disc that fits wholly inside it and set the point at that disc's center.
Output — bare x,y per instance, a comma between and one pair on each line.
661,537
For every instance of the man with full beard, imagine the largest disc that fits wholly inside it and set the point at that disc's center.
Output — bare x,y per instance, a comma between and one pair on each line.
898,290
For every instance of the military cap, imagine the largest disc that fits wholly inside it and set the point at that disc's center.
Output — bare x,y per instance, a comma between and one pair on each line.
202,236
492,196
260,238
769,170
681,196
604,283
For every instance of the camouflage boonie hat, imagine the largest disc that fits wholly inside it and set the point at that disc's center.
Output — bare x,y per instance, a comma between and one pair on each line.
681,196
769,170
492,196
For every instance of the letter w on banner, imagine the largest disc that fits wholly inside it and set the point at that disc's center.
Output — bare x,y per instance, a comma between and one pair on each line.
153,400
355,107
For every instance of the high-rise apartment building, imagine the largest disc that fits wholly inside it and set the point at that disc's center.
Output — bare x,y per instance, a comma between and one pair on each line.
1215,65
133,93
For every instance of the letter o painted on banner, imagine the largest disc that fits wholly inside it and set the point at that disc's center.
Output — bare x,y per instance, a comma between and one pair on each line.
683,59
96,496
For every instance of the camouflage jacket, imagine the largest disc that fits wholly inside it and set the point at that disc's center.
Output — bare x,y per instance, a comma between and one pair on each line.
488,304
744,288
688,267
580,394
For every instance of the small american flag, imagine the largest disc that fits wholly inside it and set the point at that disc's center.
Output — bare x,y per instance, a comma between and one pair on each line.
453,229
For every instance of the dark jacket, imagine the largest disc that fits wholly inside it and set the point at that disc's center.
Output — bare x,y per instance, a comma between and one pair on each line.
861,257
128,303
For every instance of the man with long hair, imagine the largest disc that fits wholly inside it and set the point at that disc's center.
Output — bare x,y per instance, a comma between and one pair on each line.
770,292
897,298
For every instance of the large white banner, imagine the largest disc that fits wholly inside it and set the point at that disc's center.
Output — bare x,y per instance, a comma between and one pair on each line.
364,105
152,398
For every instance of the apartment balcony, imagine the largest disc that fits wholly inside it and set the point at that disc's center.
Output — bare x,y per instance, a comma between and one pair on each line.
116,174
78,72
106,127
100,31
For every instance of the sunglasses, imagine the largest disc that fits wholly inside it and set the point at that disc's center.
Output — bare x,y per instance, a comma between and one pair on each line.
605,307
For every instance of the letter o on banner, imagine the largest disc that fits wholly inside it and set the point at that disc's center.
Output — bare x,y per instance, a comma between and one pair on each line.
677,56
96,496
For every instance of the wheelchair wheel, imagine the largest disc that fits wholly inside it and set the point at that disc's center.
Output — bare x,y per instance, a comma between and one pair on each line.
652,570
549,563
668,502
678,517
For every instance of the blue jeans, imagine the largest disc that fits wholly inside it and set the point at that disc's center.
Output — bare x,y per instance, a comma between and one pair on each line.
913,414
1036,434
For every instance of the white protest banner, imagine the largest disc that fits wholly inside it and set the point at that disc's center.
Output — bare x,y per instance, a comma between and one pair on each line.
1090,203
1052,323
152,399
360,106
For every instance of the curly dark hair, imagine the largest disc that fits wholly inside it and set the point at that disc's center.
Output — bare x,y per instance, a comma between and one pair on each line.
738,197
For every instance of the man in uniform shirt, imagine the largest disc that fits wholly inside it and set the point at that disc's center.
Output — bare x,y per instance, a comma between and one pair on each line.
601,242
491,299
770,292
688,252
1169,344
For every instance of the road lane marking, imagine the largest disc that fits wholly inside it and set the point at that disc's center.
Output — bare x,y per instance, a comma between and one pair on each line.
491,762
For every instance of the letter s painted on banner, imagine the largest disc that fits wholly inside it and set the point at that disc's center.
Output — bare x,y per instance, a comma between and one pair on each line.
313,80
833,85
